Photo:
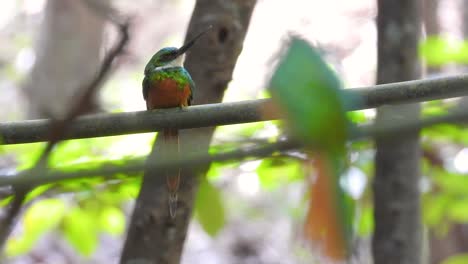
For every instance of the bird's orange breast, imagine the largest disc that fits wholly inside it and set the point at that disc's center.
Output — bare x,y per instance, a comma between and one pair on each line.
167,94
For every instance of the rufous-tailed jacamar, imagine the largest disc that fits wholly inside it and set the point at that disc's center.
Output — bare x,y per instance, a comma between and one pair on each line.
168,84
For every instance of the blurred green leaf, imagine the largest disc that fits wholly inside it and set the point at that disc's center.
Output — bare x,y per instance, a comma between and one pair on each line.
438,51
366,221
19,245
37,191
357,117
451,183
6,200
129,190
80,230
446,132
217,169
434,109
241,131
41,217
456,259
209,208
26,154
112,220
214,171
434,209
275,172
458,210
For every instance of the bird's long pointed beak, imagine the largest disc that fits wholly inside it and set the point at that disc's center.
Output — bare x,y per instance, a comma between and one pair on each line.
189,44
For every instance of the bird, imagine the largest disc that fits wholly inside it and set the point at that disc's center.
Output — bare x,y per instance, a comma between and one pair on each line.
167,84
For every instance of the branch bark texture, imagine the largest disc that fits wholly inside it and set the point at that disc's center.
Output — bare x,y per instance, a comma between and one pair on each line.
154,237
397,236
101,125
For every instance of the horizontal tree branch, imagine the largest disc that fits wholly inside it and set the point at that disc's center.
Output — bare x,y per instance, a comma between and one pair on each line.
101,125
109,169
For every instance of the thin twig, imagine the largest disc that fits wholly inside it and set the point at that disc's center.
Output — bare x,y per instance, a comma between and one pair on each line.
59,127
135,166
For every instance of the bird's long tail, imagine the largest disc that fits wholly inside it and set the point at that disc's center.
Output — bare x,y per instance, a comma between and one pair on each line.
327,218
172,149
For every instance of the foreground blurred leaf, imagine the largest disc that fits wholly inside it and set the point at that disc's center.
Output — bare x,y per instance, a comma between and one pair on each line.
452,183
41,217
456,259
308,94
112,220
366,221
438,51
434,209
275,172
209,208
80,229
458,210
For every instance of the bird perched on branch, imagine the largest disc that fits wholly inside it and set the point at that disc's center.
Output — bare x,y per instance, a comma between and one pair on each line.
168,84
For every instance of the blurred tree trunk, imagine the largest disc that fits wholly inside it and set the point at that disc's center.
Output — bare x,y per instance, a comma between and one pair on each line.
431,17
440,248
153,237
432,27
67,52
455,241
397,236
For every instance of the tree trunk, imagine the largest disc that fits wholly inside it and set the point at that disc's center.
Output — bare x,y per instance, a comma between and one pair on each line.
153,237
397,236
67,55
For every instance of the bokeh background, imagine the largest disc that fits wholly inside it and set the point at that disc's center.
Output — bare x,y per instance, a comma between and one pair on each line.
48,47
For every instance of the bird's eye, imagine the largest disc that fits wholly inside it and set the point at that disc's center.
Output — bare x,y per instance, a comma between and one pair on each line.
168,56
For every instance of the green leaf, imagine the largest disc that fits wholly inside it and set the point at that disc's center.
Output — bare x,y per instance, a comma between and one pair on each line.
130,190
438,51
456,259
41,217
445,132
435,109
217,169
80,230
357,117
366,221
17,246
5,201
112,220
275,172
458,210
451,183
434,208
209,208
37,191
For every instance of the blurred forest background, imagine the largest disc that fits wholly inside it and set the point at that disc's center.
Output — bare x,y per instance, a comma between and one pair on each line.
247,212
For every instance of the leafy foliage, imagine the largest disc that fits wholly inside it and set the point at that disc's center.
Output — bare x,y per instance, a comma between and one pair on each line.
456,259
80,229
41,217
278,171
438,51
209,208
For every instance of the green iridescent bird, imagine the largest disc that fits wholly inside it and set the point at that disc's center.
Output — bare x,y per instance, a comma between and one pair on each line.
168,84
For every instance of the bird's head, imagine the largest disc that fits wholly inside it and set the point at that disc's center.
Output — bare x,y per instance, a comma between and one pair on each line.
171,56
